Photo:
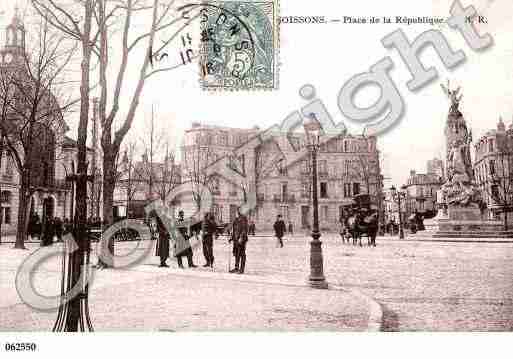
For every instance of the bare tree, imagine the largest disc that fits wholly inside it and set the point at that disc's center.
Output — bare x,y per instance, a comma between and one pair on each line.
100,35
152,142
127,12
197,156
33,87
168,176
75,21
125,171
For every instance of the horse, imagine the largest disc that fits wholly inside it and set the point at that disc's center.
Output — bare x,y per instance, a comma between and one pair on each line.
359,225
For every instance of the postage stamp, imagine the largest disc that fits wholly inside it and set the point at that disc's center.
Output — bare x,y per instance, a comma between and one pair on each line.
239,45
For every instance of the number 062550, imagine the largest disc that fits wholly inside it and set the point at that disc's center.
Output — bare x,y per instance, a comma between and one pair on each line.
20,347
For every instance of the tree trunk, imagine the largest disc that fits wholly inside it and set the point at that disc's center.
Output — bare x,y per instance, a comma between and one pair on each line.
21,233
109,181
505,220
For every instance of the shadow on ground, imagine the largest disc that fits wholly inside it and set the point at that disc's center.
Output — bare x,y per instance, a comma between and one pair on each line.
390,320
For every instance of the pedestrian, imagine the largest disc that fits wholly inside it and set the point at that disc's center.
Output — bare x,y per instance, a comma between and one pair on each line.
239,238
279,229
68,226
58,228
182,244
209,228
33,226
291,228
38,227
161,235
48,232
252,228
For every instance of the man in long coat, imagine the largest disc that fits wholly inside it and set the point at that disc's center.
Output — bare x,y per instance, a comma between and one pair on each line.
239,238
209,229
160,233
279,229
182,244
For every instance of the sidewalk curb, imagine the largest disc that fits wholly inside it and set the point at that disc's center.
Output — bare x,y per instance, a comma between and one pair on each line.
375,321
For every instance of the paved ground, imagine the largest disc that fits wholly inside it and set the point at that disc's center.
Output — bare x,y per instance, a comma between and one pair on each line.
420,285
151,298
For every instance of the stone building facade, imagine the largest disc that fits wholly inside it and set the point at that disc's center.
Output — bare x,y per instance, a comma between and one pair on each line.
436,166
421,193
493,170
347,166
53,152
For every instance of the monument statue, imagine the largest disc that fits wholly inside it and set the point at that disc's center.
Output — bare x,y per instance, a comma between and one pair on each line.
461,213
460,188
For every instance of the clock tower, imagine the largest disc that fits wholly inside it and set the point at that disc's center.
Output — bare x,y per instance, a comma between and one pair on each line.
12,52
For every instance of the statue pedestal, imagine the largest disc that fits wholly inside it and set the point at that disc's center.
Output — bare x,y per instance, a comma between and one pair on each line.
465,222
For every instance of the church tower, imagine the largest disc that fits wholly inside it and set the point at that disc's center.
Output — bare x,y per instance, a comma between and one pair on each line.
14,47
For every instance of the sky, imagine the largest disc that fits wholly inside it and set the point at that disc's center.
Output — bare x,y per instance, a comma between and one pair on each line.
326,56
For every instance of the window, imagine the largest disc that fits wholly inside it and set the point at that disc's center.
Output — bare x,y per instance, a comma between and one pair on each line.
305,189
356,188
8,165
5,197
324,190
304,166
284,194
282,170
323,166
7,215
346,146
347,189
495,191
215,186
492,167
324,213
223,139
233,192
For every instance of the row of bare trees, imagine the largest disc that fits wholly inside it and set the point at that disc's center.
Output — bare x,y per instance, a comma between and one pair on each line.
149,176
34,99
106,40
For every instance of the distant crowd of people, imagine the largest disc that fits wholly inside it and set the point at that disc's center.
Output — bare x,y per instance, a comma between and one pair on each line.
47,230
51,229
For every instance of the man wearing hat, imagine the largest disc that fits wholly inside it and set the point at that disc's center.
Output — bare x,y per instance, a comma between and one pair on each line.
182,245
240,238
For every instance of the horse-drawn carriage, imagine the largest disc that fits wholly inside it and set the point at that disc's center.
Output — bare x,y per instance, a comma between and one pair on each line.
359,220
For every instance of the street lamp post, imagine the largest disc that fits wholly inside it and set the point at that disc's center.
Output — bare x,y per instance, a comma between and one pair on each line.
397,197
316,278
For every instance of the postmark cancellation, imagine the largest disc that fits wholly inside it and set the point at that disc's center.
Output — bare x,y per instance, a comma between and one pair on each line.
239,45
